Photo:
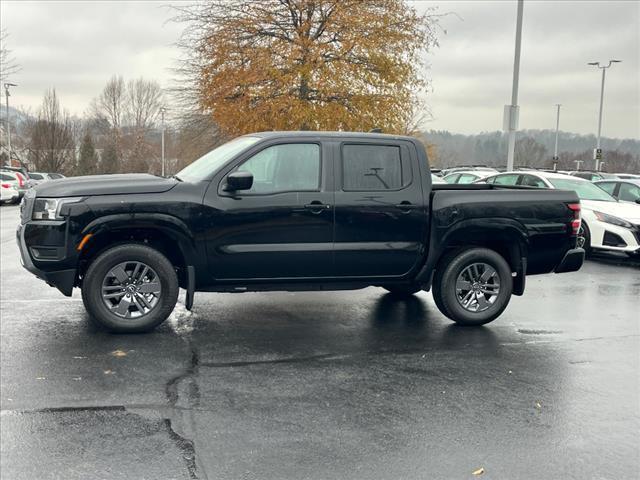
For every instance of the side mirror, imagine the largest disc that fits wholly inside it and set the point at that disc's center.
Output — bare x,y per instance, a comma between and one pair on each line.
239,181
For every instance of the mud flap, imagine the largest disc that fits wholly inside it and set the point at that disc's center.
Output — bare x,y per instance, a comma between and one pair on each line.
191,287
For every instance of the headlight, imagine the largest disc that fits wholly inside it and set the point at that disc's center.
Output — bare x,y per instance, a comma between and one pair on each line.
49,208
606,218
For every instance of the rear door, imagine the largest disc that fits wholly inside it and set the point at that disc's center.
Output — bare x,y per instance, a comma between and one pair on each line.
381,219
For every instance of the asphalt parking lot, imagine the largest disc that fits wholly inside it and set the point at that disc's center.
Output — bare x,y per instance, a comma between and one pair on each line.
336,385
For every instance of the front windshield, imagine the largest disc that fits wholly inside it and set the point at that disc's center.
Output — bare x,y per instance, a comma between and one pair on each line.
585,190
210,162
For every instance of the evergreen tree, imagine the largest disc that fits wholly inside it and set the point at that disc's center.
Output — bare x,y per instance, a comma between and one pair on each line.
109,162
88,161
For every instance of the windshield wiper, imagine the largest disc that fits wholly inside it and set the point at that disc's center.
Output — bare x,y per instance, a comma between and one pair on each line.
177,178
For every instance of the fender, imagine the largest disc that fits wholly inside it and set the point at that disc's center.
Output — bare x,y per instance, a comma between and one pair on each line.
167,224
476,229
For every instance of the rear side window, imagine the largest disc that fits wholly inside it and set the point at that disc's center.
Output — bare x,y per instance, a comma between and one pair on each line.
608,187
467,178
374,168
505,180
531,181
6,177
629,192
36,176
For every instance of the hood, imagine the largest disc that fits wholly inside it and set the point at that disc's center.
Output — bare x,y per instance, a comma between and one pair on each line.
627,211
105,185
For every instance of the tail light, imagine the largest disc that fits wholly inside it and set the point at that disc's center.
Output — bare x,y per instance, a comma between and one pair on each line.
20,180
6,185
575,224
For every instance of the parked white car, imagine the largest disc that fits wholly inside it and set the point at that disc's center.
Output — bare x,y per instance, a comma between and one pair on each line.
16,180
467,176
35,178
606,223
8,194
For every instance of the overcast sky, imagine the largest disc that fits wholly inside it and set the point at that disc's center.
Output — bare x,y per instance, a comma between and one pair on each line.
76,46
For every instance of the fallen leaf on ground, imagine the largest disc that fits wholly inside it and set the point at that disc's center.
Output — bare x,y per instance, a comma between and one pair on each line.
77,357
479,471
77,379
538,405
119,353
108,372
40,378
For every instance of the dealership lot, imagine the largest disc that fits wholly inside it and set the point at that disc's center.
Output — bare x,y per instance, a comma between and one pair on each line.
325,385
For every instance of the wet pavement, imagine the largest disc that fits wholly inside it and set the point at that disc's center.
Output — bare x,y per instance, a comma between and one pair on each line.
353,385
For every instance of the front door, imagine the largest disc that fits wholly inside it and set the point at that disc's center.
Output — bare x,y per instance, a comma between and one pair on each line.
283,226
381,219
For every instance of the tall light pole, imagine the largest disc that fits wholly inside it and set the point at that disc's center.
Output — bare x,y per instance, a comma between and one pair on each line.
7,95
162,112
597,153
555,148
511,118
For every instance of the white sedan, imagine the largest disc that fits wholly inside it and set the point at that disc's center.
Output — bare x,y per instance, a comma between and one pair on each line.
467,176
8,194
606,223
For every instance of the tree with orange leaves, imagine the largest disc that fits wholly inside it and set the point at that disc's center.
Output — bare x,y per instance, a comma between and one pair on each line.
305,64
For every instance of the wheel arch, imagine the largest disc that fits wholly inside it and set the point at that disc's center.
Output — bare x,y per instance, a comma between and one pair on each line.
166,233
506,236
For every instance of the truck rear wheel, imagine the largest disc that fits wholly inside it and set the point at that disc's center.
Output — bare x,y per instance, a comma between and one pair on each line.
472,286
130,288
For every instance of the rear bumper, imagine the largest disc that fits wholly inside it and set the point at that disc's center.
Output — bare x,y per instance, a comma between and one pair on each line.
63,280
571,262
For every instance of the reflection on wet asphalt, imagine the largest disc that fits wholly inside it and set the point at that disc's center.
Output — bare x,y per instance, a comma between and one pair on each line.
325,385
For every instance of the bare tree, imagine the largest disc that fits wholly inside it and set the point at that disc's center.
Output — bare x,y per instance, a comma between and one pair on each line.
529,152
51,137
8,64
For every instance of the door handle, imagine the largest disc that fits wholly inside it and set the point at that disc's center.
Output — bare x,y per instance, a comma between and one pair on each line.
317,207
405,206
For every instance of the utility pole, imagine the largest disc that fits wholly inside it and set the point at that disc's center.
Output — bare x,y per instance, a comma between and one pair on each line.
597,153
555,148
162,111
512,111
7,95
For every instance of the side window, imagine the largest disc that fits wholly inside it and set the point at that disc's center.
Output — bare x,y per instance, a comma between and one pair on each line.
6,177
284,168
531,181
467,178
608,187
374,168
506,179
490,180
453,178
629,192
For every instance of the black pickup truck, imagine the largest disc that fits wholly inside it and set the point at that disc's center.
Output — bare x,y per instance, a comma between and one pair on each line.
294,211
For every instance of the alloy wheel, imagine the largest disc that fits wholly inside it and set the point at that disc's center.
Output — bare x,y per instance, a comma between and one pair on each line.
477,287
131,289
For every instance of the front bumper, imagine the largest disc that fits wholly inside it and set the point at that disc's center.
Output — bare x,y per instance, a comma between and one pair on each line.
63,279
571,262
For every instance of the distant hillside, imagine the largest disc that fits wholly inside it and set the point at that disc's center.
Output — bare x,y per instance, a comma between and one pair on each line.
533,148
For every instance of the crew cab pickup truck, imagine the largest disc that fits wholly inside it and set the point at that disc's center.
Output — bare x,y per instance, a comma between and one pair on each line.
294,211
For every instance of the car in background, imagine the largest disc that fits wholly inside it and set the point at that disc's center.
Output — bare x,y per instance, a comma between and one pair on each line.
17,180
464,168
36,178
606,223
628,176
622,190
436,179
592,176
8,194
467,176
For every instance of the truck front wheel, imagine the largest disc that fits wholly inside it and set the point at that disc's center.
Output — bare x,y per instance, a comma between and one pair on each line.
472,286
130,288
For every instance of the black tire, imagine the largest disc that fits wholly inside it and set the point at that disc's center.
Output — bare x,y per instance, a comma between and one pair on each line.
444,285
586,233
402,290
92,285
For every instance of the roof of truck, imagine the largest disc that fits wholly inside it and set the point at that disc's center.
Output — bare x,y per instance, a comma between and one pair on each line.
311,133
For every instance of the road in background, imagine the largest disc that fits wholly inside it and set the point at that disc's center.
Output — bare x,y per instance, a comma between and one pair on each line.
324,385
